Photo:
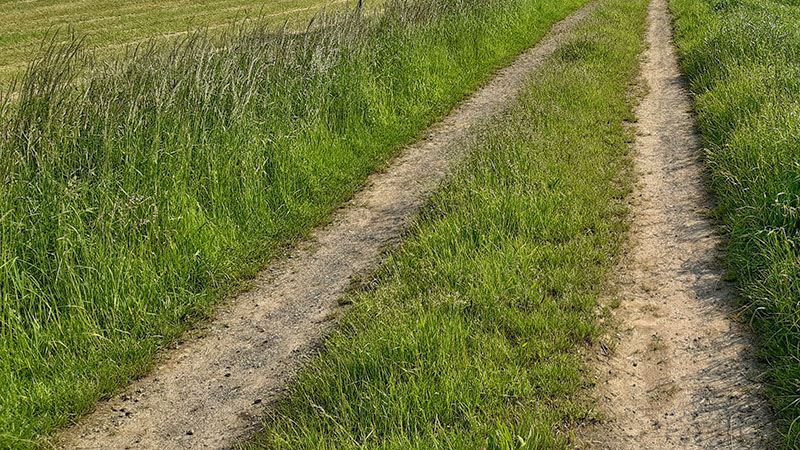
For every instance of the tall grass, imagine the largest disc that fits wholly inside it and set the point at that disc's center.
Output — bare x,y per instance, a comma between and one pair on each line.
468,338
742,58
136,191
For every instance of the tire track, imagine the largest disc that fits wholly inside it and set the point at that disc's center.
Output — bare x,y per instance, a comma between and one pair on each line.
683,375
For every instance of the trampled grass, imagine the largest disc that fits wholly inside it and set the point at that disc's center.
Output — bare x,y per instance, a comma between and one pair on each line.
110,24
469,336
136,191
742,59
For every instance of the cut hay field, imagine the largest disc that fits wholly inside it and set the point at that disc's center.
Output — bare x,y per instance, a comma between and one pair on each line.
110,24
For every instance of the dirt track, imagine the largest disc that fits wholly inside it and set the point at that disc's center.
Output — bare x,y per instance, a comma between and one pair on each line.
209,393
683,375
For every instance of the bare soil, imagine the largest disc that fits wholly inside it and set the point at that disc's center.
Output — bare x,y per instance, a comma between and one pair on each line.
683,375
210,392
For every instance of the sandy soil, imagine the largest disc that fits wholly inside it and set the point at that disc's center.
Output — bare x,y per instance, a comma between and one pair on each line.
683,375
209,392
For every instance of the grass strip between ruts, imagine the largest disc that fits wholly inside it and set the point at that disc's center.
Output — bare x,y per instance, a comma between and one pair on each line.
469,336
742,61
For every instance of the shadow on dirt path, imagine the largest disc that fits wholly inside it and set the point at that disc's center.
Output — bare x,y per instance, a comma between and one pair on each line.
683,375
210,392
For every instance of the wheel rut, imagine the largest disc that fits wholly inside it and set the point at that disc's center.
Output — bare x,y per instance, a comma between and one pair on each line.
683,375
210,392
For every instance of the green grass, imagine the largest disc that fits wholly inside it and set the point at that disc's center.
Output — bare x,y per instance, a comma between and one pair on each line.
469,336
110,24
135,197
742,60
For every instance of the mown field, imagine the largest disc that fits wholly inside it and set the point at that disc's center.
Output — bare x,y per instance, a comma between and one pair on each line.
742,59
138,191
469,336
108,25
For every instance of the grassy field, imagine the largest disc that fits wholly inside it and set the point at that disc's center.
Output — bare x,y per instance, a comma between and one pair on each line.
742,59
135,197
469,336
110,24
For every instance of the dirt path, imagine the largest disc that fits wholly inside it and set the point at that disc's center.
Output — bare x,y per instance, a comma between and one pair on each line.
683,375
210,392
